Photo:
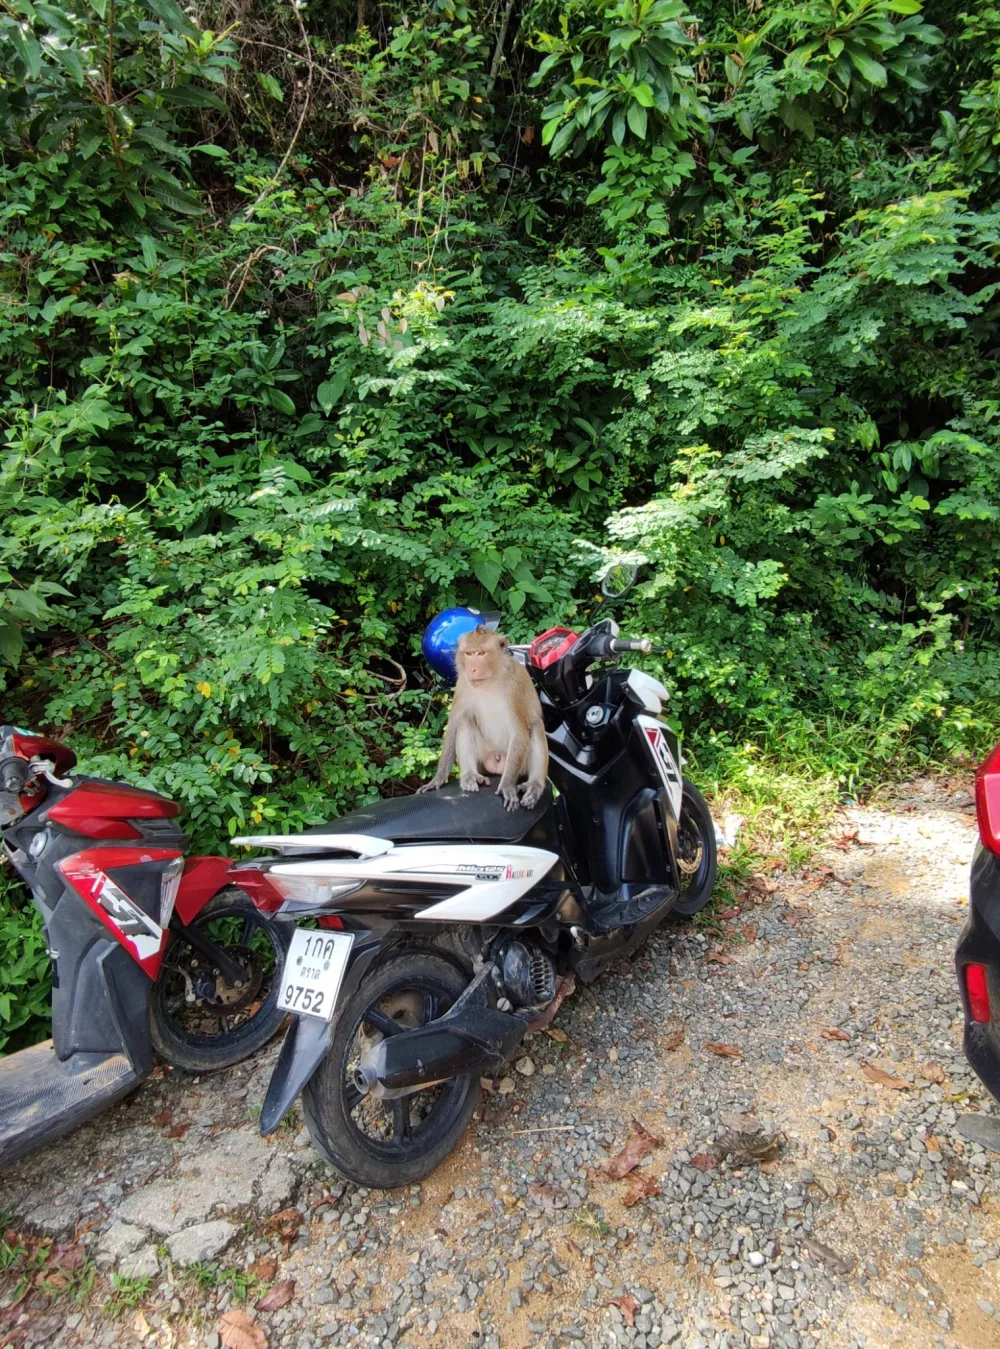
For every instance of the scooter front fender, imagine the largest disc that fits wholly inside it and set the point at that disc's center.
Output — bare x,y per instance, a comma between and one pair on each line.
308,1039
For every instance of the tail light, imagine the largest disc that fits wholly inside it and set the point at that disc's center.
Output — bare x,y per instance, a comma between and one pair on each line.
977,992
170,883
988,802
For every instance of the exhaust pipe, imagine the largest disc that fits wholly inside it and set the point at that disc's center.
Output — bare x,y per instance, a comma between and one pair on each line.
468,1039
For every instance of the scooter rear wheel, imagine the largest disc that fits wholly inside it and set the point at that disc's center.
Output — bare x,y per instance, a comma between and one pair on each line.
384,1144
697,853
198,1021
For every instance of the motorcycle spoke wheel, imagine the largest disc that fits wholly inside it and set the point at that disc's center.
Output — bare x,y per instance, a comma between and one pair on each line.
370,1140
697,861
199,1019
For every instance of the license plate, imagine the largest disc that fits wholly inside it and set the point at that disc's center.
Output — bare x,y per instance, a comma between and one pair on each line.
314,969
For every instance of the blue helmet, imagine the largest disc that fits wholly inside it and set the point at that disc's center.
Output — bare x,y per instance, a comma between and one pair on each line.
441,636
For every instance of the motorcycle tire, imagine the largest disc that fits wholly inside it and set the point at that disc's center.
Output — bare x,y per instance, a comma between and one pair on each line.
372,1142
199,1035
697,853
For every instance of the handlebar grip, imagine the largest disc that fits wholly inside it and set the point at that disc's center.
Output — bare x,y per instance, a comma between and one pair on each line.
641,644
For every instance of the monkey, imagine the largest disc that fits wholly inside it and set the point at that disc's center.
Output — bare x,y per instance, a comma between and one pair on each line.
495,723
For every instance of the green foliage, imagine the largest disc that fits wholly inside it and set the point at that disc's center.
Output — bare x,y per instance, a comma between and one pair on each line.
391,335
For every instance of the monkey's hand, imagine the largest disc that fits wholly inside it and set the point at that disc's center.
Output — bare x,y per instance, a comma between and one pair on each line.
471,782
531,794
508,790
431,786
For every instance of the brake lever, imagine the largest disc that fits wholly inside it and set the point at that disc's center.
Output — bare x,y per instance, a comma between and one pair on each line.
42,768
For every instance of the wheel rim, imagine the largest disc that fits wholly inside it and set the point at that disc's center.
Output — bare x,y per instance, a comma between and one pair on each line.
396,1129
200,1004
693,858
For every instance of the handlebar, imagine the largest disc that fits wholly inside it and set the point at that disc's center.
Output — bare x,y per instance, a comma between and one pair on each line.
623,644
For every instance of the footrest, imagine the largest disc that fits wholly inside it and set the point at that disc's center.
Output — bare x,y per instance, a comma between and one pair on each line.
42,1097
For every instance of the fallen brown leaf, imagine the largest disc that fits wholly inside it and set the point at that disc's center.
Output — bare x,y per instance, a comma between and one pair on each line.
719,958
557,1034
641,1186
279,1296
285,1223
140,1326
724,1051
769,1168
749,933
932,1144
931,1072
178,1131
704,1161
164,1117
239,1330
834,1033
885,1079
265,1268
640,1145
628,1307
564,988
673,1041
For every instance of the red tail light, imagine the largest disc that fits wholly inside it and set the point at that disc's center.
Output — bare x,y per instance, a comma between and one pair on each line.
977,992
988,801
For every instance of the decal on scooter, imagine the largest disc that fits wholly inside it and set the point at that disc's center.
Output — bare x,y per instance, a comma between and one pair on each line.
664,760
480,873
136,925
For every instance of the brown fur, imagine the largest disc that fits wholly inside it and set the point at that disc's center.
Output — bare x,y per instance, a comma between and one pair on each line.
495,723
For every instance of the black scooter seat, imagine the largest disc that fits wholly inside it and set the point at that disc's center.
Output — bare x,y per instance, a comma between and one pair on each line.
448,815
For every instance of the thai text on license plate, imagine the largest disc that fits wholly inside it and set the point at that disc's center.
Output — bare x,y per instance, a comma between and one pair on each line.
314,969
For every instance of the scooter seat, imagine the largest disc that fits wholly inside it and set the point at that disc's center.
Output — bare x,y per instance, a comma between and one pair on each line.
448,815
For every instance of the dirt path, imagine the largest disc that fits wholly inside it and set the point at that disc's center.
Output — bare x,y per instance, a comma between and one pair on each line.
822,1005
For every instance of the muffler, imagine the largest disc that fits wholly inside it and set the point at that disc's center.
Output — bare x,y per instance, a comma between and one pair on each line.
468,1039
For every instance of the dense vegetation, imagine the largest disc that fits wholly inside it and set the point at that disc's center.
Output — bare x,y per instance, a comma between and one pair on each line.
327,317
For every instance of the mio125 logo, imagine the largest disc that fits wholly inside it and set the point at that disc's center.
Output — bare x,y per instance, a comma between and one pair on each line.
494,873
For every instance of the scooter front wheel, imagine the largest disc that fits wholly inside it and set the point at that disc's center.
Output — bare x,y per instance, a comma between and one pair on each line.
697,855
378,1143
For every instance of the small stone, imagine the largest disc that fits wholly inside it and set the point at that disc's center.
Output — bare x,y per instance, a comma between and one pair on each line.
143,1264
122,1239
755,1259
193,1245
506,1085
987,1308
613,1055
525,1066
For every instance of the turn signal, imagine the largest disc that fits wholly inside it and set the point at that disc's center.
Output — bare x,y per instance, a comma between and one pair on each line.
977,992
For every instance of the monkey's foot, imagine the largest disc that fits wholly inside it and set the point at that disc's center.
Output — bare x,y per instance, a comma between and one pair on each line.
472,782
431,786
511,800
531,794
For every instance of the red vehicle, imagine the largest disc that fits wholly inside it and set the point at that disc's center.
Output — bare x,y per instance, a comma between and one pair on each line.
152,952
978,955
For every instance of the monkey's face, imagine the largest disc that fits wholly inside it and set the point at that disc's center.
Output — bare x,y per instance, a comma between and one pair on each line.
479,655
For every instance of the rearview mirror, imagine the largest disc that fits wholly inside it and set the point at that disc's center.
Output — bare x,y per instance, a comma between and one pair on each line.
620,578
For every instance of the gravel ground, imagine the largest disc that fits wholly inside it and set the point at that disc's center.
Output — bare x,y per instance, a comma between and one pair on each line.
876,1225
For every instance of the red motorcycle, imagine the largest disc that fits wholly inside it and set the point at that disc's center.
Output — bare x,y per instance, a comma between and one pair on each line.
152,952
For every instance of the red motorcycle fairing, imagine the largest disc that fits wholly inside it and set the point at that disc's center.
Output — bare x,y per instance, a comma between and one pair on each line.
102,810
28,747
138,931
205,876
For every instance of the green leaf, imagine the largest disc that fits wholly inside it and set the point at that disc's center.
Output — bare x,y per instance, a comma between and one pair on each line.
643,95
598,194
796,118
270,86
177,198
487,573
562,138
213,151
148,252
67,58
11,643
903,6
172,15
637,118
26,45
618,126
836,46
280,401
515,599
329,392
873,71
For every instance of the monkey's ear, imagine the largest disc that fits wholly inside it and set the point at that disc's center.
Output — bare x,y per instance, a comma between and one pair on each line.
503,641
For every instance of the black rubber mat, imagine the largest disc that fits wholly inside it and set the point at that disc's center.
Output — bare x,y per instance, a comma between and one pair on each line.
42,1098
